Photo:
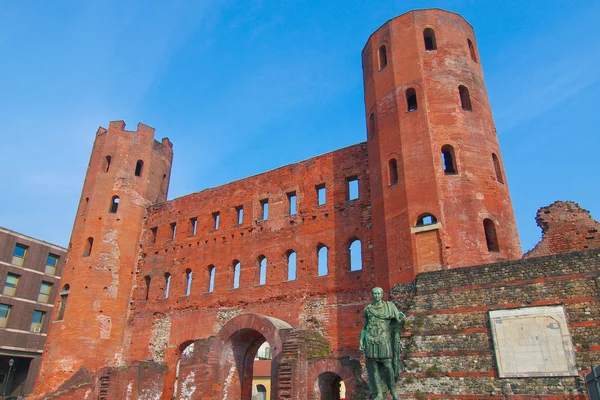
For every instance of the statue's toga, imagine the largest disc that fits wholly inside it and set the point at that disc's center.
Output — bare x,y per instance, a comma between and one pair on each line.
380,341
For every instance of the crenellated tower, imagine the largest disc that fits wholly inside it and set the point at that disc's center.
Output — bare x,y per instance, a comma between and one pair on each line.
439,193
128,171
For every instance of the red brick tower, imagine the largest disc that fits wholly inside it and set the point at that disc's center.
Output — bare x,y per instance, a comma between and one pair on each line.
439,193
128,171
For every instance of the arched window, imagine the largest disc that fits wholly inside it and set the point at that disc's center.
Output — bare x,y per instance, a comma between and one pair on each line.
429,37
497,168
138,167
212,272
167,284
236,274
448,160
64,294
490,235
372,125
322,260
355,255
411,100
426,219
261,392
107,161
291,265
472,50
262,270
147,281
87,250
465,98
114,205
188,282
382,57
393,171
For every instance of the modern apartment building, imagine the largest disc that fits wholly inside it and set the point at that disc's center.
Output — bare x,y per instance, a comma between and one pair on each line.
30,271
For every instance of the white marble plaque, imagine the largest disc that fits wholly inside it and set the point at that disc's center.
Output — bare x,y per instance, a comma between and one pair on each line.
532,341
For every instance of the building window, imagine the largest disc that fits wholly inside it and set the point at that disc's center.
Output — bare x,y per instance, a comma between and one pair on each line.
291,265
472,50
4,313
107,161
322,260
138,167
167,284
382,57
465,98
193,226
188,282
51,264
264,209
19,254
291,203
371,128
212,272
114,205
426,219
321,194
236,274
429,38
239,210
393,171
10,284
262,270
173,230
448,160
147,281
497,168
216,216
411,100
355,255
87,250
153,233
44,295
64,295
491,239
352,187
37,321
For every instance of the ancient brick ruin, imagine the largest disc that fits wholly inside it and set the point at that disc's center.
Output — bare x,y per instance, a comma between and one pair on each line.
289,256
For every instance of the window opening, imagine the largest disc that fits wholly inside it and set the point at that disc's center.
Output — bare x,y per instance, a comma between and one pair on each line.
491,239
352,183
355,255
216,217
426,219
19,254
87,250
393,171
138,167
236,274
411,100
44,294
240,214
497,168
64,294
10,284
212,271
429,37
193,226
465,98
472,50
51,264
382,57
291,266
4,313
448,160
188,280
173,230
167,284
262,273
153,233
291,203
321,194
264,209
322,260
107,163
372,124
147,281
114,205
37,321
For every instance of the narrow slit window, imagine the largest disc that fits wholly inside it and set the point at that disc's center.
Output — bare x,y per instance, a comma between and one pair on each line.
382,57
236,274
87,250
352,184
372,125
429,38
322,260
291,266
355,255
216,217
64,295
321,194
465,98
497,168
147,281
138,167
212,272
167,284
291,203
472,50
262,270
491,239
393,171
188,282
240,214
411,100
193,226
153,232
448,160
264,209
107,161
114,205
173,230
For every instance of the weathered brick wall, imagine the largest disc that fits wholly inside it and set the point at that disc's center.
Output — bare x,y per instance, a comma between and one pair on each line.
449,350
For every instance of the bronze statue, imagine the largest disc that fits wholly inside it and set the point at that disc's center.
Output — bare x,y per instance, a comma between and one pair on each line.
380,341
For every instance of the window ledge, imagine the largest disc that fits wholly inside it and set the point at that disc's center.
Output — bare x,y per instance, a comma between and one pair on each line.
425,228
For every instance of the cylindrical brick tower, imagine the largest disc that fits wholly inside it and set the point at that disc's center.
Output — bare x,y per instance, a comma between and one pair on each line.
439,193
128,171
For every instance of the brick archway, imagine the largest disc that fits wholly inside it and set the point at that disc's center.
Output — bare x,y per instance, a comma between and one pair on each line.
329,368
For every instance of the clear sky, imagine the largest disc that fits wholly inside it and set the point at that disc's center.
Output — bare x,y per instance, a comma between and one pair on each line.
242,87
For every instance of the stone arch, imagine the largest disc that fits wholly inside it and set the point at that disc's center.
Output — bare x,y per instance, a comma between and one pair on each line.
325,372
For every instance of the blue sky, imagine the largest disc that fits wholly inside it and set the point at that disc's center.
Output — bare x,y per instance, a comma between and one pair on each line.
242,87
